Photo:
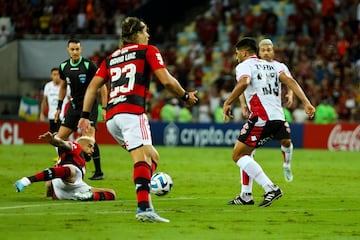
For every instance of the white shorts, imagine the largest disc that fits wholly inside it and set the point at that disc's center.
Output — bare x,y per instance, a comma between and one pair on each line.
66,190
130,130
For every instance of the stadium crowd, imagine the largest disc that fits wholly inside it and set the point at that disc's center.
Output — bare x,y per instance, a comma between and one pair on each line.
318,40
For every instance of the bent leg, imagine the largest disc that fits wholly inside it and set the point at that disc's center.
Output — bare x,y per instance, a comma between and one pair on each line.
250,166
103,194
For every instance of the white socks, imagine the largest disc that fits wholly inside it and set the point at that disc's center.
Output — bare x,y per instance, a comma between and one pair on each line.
25,181
253,169
287,152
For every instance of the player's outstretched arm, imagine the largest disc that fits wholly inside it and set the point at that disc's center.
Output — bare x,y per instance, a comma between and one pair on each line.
53,140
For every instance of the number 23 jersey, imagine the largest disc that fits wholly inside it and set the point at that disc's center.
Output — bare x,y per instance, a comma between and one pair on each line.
263,94
129,70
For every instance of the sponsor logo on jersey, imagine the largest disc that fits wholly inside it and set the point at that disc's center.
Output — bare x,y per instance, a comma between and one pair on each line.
82,78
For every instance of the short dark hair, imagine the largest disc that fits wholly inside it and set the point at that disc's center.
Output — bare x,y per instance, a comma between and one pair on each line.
54,69
73,40
248,44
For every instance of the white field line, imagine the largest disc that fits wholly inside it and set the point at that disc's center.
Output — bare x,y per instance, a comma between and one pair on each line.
6,210
68,202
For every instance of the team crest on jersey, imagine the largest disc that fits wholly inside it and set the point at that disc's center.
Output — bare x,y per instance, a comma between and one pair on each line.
244,129
82,78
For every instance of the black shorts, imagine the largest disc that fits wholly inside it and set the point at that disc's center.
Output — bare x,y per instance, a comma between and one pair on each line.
72,117
254,136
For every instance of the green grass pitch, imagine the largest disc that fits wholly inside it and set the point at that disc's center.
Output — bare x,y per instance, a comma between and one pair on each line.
323,201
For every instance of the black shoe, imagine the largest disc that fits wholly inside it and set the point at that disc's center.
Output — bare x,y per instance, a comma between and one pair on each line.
240,199
97,176
269,197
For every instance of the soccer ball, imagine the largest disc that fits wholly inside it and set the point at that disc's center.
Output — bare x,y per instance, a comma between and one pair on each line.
161,184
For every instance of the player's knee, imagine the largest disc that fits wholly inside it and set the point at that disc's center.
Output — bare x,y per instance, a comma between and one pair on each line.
240,152
236,157
285,142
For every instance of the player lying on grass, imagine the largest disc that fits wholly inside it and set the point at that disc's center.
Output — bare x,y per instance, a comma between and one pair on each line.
66,179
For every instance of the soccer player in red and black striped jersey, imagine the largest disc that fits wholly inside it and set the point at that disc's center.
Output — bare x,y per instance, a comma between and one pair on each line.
66,179
128,71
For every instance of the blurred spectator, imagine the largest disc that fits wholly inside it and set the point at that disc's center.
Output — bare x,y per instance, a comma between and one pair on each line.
269,23
56,24
288,115
218,115
294,24
45,23
170,55
156,104
183,71
169,112
48,7
81,22
325,113
249,22
204,112
99,25
314,26
234,33
342,46
185,115
207,28
90,15
117,18
196,76
328,10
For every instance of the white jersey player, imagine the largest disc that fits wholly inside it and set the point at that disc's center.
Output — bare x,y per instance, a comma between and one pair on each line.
263,95
50,99
266,52
260,81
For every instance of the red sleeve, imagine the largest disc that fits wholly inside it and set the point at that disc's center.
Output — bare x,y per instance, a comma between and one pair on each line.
102,71
75,148
154,58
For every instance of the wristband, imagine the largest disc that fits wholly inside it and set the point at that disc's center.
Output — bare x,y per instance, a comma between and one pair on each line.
185,97
104,108
85,115
60,103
